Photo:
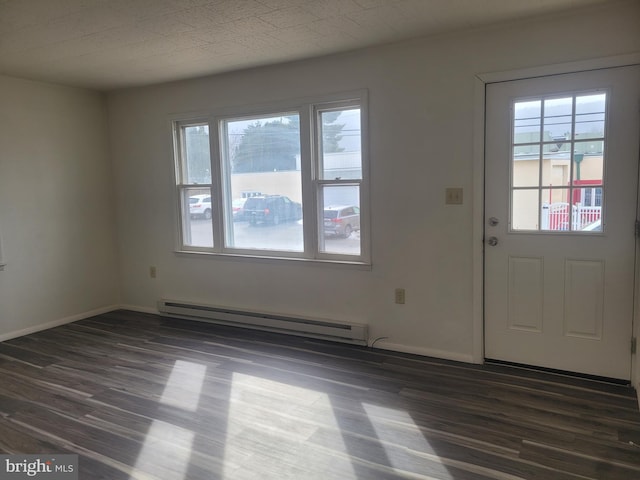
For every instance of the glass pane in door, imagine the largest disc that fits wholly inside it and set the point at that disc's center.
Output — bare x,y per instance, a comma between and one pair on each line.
557,177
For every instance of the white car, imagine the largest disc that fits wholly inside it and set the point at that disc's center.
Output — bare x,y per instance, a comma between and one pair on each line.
200,206
341,221
238,209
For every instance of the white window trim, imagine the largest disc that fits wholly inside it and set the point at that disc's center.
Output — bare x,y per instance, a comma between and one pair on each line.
571,188
307,109
179,169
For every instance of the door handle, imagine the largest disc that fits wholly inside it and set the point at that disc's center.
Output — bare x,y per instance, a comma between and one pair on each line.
492,241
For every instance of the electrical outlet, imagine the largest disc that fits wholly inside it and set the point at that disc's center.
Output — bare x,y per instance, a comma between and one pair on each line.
152,272
453,196
400,296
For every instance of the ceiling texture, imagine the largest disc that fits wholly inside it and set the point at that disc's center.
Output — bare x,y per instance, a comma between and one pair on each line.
111,44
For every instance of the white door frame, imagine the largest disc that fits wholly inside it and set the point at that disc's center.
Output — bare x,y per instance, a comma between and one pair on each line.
481,80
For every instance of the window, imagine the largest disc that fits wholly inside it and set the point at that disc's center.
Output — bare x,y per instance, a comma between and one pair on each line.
288,182
339,179
195,184
557,172
260,158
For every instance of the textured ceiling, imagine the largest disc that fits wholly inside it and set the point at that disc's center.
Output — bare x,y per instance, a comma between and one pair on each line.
108,44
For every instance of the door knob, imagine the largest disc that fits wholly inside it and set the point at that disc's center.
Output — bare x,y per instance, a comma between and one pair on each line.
492,241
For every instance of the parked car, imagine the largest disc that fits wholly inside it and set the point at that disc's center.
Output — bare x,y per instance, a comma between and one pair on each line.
200,206
272,209
238,209
341,221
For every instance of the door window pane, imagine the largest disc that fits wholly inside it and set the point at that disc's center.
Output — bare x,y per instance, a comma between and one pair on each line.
557,148
588,162
525,211
558,116
526,122
587,209
263,207
590,112
556,169
555,212
567,183
526,166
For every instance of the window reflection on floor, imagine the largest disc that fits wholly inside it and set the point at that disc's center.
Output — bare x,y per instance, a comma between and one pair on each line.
166,451
260,419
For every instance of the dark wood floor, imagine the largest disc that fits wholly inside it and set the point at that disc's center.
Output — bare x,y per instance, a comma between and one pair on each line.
145,397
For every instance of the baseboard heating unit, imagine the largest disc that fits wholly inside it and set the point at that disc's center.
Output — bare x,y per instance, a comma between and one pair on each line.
294,325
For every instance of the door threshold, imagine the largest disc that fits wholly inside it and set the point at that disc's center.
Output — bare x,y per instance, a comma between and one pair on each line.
562,373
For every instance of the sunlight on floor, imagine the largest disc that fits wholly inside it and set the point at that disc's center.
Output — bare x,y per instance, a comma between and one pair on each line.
380,418
260,422
166,451
167,448
389,424
184,385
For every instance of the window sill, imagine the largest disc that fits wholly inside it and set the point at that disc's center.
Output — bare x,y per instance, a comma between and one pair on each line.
267,259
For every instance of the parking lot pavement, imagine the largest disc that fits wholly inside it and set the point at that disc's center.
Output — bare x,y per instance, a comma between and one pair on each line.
282,237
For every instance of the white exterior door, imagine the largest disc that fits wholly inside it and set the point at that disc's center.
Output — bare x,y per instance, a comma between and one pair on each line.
561,185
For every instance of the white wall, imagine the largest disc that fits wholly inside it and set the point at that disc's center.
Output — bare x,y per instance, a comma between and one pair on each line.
421,140
57,217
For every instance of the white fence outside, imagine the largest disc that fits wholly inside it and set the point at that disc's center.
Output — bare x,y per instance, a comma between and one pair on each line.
558,216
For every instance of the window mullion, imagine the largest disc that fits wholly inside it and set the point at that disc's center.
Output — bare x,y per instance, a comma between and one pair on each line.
218,178
308,167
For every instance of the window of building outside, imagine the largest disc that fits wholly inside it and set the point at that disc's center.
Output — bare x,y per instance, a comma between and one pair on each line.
288,183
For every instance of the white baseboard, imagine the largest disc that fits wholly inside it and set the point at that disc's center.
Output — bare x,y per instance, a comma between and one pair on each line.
57,323
425,352
396,347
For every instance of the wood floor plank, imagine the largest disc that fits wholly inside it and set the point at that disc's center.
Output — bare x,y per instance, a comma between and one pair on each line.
139,396
590,466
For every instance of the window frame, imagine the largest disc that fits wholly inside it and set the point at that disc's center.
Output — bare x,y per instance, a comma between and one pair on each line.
320,182
574,94
182,183
311,179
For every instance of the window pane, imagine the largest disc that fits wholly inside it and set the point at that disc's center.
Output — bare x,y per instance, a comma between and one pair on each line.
526,166
556,169
587,209
555,195
587,167
525,211
556,211
590,116
558,119
197,226
526,122
261,158
339,226
557,149
341,144
569,191
197,158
